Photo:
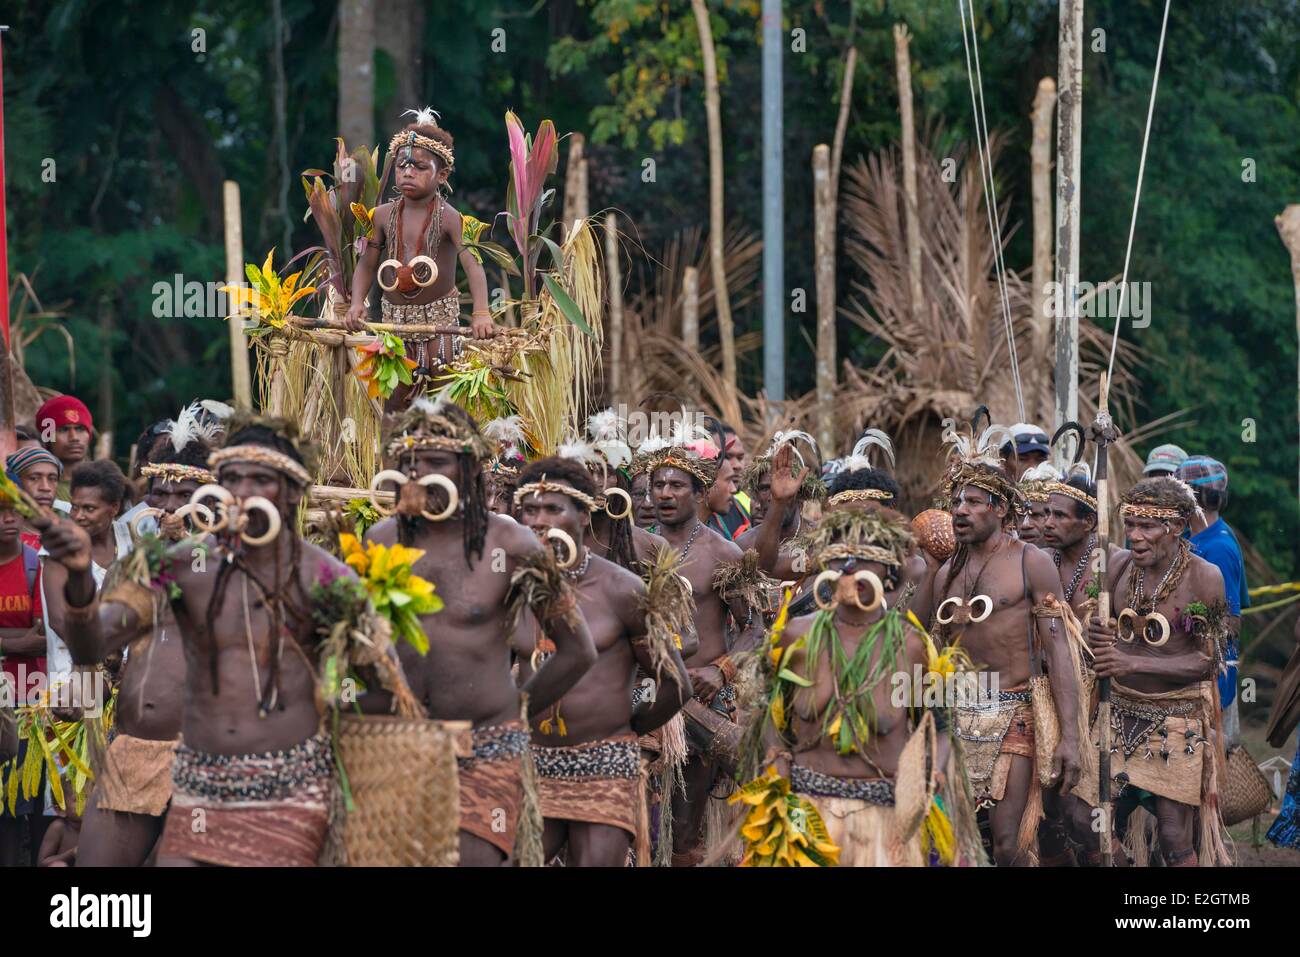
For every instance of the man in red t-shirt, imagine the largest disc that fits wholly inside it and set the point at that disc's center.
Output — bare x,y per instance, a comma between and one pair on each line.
22,657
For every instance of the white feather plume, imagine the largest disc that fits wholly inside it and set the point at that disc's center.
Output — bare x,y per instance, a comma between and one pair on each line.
653,443
580,451
606,425
508,430
425,117
1082,469
189,426
1043,472
873,438
218,409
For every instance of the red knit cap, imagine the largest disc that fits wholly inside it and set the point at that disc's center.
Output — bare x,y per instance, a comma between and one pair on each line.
64,410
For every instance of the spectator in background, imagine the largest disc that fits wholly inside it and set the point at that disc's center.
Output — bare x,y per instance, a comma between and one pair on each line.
1030,449
65,426
22,658
99,490
1214,541
27,439
1164,460
38,473
727,516
735,452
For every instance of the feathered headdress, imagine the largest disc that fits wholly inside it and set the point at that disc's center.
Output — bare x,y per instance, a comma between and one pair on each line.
608,433
192,425
1161,498
437,423
812,486
1035,481
860,457
407,139
977,460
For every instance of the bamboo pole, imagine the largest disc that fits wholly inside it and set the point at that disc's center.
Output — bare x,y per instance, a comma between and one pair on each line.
824,244
1069,129
615,284
1040,165
691,310
903,66
307,323
713,112
240,381
1288,225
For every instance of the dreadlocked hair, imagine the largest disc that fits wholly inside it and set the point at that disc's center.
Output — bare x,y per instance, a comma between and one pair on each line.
285,597
868,478
622,551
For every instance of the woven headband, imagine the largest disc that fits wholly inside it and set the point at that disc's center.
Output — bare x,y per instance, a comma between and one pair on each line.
419,141
860,495
1069,491
1129,510
542,486
678,458
175,472
261,455
867,553
1035,491
443,443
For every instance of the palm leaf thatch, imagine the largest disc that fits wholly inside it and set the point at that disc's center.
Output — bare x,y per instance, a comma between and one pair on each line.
957,356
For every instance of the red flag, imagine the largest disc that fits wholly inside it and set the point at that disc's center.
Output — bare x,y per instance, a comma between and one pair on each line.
4,236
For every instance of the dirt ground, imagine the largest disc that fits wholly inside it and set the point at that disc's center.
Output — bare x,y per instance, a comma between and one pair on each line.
1245,835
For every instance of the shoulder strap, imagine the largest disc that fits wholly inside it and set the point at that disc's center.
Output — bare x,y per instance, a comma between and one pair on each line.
31,566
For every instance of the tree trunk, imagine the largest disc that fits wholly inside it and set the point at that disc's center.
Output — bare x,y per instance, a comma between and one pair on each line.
691,309
1040,164
615,282
399,32
357,72
187,136
824,240
903,65
575,183
1288,224
240,382
842,121
713,109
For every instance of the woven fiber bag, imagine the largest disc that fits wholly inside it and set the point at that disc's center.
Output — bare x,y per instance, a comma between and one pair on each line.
406,805
1245,793
1047,728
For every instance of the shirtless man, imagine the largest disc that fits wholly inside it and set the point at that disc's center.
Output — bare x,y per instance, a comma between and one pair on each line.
586,750
777,525
472,556
849,776
1161,653
125,813
253,774
643,506
420,223
988,595
680,481
1070,532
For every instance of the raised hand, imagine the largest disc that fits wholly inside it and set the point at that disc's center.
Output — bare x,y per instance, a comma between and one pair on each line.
785,480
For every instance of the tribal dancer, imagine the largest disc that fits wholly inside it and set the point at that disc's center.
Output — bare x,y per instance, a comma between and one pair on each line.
586,751
1000,599
486,567
1161,653
781,522
1070,531
126,810
679,480
252,776
1033,486
614,532
420,234
838,733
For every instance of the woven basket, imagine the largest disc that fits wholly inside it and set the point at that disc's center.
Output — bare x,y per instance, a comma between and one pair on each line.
406,805
933,531
1245,794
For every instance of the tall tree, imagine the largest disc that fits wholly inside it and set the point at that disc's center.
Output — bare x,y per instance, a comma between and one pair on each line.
357,72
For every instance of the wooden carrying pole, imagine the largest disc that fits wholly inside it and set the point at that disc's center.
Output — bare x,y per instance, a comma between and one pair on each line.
615,284
241,383
1103,434
1069,131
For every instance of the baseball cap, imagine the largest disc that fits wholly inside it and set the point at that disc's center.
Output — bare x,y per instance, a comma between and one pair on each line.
1029,438
1203,472
1164,458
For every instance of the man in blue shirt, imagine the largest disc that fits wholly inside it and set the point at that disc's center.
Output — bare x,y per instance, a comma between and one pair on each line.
1215,541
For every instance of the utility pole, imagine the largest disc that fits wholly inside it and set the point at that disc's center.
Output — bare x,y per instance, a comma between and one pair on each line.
1069,128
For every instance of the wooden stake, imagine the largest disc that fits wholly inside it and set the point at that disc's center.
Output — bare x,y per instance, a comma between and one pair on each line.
1069,129
903,65
615,283
717,264
1040,165
824,244
241,382
1288,225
